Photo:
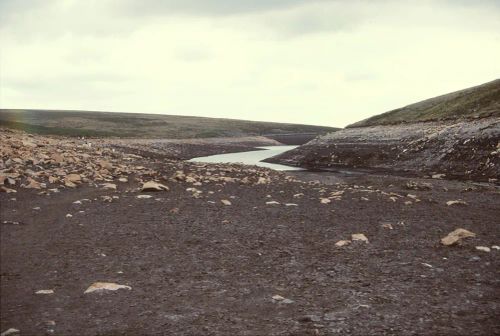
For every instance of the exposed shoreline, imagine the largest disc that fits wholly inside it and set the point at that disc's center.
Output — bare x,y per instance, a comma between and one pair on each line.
263,262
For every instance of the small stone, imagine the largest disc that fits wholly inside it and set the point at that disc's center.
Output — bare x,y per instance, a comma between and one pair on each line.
341,243
225,202
387,226
456,202
272,203
154,186
58,158
123,179
74,178
359,237
105,164
438,176
325,200
69,184
495,247
333,317
144,196
278,297
10,331
32,184
109,186
44,291
291,204
69,215
483,248
7,190
455,236
103,286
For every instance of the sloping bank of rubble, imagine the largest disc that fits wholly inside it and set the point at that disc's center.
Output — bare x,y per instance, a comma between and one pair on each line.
454,149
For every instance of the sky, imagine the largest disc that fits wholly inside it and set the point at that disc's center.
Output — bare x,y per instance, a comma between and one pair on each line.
322,62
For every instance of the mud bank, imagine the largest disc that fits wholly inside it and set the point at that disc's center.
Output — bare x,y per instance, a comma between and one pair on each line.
468,150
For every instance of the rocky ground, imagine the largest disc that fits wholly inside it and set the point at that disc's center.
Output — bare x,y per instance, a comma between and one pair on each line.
99,240
466,150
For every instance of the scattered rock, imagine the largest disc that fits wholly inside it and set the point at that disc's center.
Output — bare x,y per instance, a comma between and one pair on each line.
483,248
111,186
73,178
438,176
32,184
153,186
387,226
105,164
278,297
341,243
359,237
225,202
10,331
45,291
144,196
418,185
456,202
69,184
272,203
7,190
455,236
325,200
104,286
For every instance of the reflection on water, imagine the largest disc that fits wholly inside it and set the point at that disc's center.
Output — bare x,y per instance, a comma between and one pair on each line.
251,157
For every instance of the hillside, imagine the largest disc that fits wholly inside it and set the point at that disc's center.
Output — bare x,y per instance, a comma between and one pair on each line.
456,135
478,101
137,125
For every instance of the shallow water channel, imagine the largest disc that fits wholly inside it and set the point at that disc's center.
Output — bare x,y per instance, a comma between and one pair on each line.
253,157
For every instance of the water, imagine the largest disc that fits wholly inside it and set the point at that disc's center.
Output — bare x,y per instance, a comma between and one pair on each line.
254,157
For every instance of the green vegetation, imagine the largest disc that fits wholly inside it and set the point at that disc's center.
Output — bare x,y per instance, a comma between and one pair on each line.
476,102
128,125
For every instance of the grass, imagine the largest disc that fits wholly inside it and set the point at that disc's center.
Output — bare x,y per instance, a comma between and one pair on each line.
476,102
128,125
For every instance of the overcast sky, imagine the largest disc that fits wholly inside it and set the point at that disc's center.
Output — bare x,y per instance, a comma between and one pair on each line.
325,62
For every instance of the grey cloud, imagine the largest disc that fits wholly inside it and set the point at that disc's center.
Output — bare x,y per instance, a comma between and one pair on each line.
315,20
207,7
193,55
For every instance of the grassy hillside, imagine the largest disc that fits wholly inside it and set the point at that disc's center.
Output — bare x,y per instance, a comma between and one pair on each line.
478,101
101,124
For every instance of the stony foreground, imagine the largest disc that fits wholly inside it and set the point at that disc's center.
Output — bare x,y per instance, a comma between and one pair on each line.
232,250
